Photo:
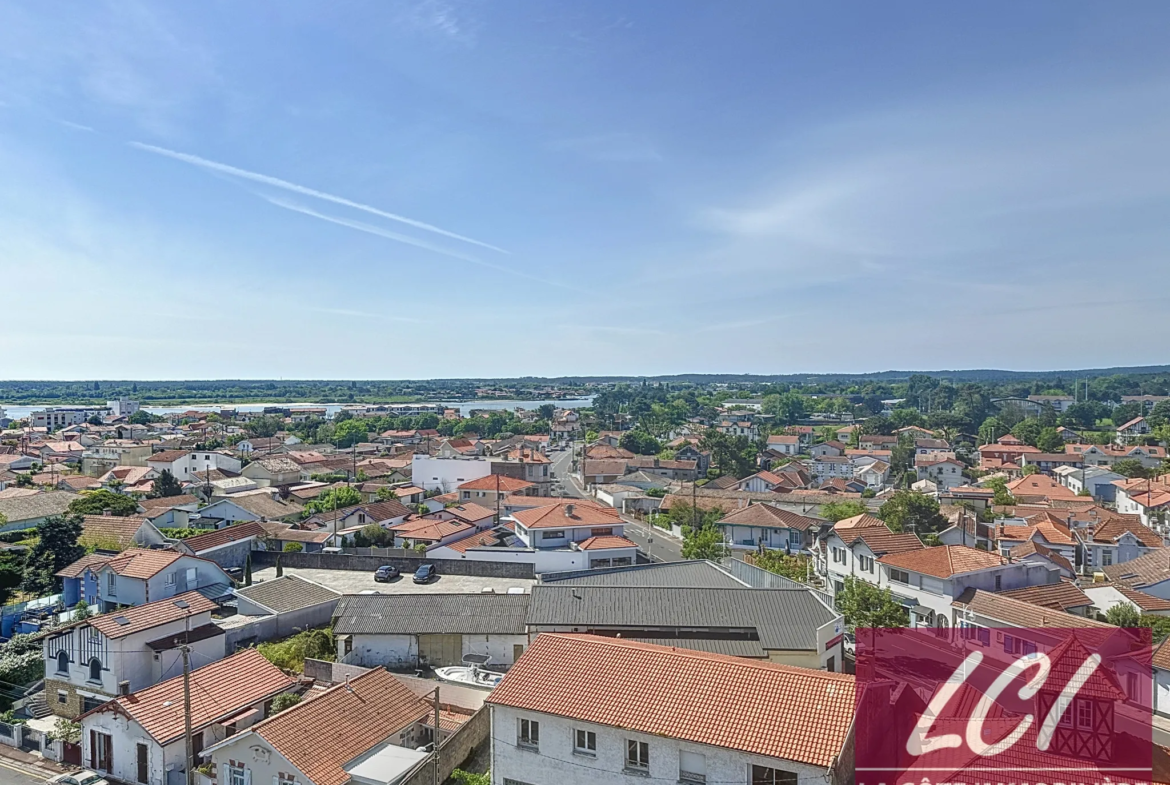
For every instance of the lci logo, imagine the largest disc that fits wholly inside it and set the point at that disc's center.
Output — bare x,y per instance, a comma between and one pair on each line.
989,705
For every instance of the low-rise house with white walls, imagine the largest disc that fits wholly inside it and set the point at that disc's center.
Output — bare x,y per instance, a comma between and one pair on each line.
944,472
784,444
140,737
138,576
1045,528
485,490
853,553
874,474
575,709
185,463
761,482
598,530
25,512
91,661
826,467
833,449
978,614
1133,431
274,470
765,525
104,456
446,474
1096,481
793,626
1149,573
1147,499
368,730
926,581
1034,552
228,547
1107,595
406,631
1116,540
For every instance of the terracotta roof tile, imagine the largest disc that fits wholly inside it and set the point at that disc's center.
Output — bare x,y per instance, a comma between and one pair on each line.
358,715
142,563
217,691
1020,613
1058,596
655,689
607,541
77,568
567,514
152,614
767,515
944,561
883,541
228,534
470,512
102,529
1031,547
499,482
1146,602
859,521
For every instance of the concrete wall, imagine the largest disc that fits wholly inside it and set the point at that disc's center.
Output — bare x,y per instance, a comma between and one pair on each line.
454,750
343,561
229,556
540,561
446,474
272,627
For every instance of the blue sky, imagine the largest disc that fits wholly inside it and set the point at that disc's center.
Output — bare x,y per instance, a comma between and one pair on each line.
439,188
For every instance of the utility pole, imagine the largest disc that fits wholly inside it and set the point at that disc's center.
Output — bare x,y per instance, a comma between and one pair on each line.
186,650
436,740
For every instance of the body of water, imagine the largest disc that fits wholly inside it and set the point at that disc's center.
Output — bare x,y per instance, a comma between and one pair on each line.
19,412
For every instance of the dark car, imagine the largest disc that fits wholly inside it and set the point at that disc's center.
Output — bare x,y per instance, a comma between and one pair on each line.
386,573
425,574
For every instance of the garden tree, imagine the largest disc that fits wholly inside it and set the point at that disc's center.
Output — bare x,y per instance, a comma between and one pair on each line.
1028,431
639,443
1123,615
683,514
285,700
591,436
55,550
385,494
248,569
877,425
792,567
1029,470
97,502
1131,467
902,456
839,511
1003,496
990,430
264,426
66,731
706,542
166,485
865,605
546,411
11,573
1084,414
334,499
373,535
23,480
787,407
904,418
95,420
289,547
910,511
349,432
1159,415
1049,441
1125,412
142,417
735,455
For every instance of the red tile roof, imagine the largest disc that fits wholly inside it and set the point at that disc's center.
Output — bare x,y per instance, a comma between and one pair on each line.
556,516
142,563
218,690
224,536
760,708
167,456
859,521
607,541
150,615
77,568
470,512
499,482
1059,596
944,561
322,735
767,515
105,530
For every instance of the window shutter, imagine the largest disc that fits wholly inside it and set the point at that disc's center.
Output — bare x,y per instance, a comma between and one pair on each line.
692,762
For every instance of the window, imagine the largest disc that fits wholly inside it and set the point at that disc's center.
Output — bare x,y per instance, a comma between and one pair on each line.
900,576
62,696
1106,558
763,775
1131,685
1084,714
172,578
795,538
865,563
692,766
605,532
112,584
998,582
95,669
62,661
192,576
637,755
585,742
529,734
553,535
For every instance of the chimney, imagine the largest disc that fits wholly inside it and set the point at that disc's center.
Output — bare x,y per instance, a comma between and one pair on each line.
107,512
569,510
123,688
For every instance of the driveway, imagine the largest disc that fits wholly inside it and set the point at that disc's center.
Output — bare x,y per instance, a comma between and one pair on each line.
354,582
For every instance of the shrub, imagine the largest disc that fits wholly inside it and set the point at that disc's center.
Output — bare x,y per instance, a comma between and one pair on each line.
285,700
293,547
291,652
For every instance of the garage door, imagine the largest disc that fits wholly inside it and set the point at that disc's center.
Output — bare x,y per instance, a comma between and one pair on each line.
439,650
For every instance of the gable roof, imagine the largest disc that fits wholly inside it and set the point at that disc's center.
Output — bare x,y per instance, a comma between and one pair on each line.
225,536
1110,530
287,593
39,505
469,512
605,542
1145,602
1060,596
655,689
128,621
141,562
1145,570
77,568
768,516
859,521
426,614
944,561
167,456
103,529
883,541
218,690
1020,613
1031,547
500,482
167,501
693,574
358,715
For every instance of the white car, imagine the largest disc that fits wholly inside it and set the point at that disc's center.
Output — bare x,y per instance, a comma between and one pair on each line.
83,777
850,643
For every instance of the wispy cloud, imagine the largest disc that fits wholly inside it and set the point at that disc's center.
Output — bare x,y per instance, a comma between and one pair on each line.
440,16
276,182
75,126
403,238
365,315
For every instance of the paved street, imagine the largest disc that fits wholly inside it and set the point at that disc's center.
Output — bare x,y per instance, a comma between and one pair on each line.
13,773
652,542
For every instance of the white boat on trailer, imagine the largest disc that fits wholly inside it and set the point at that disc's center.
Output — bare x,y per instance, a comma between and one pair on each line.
471,674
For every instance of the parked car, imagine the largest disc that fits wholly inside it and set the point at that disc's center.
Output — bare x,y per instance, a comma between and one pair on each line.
386,573
850,644
425,573
83,777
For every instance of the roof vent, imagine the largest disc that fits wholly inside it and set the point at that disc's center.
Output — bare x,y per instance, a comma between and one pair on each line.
569,511
121,620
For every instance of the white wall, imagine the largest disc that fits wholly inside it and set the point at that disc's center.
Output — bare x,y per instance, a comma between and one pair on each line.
498,647
556,762
371,651
446,473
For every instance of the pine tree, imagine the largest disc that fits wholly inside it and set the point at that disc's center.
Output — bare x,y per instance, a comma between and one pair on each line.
279,569
248,571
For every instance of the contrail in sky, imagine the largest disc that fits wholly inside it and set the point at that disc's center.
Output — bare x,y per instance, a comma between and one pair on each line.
214,166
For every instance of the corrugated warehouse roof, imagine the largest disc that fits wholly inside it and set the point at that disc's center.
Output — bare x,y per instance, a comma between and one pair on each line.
426,614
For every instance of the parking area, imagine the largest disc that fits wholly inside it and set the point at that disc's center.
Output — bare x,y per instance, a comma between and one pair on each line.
353,582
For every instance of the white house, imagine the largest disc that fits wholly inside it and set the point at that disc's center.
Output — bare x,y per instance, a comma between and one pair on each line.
598,530
139,737
769,526
826,467
927,581
784,444
446,474
946,473
1097,481
366,731
1115,540
184,464
853,553
1147,499
1132,431
138,576
575,709
273,470
90,661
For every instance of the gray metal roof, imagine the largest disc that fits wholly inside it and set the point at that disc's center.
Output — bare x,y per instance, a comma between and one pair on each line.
427,614
730,647
287,593
682,574
785,619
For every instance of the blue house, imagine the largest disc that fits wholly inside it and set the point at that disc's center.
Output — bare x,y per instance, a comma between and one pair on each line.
80,579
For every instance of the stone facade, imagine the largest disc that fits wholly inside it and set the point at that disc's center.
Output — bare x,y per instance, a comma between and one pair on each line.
73,704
